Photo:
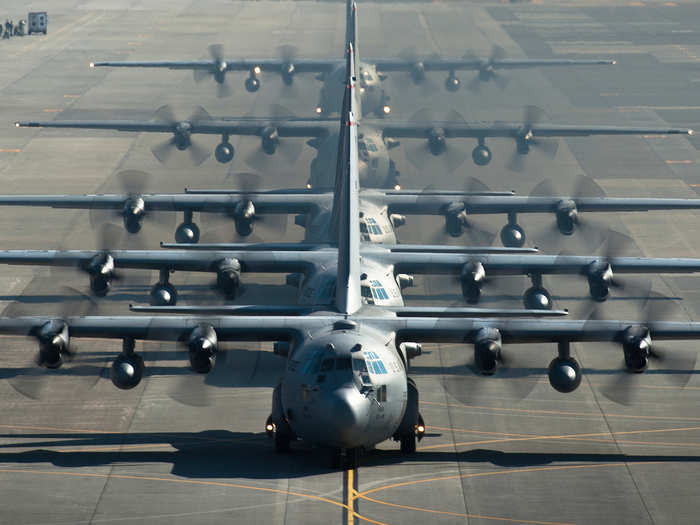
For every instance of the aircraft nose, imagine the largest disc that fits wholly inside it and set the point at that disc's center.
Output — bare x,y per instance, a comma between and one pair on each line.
345,417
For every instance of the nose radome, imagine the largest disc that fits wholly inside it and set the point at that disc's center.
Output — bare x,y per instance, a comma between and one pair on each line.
346,416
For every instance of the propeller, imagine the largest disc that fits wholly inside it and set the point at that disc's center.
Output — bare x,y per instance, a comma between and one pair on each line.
675,368
475,233
182,135
526,140
417,74
438,152
515,378
217,70
487,69
133,183
288,54
221,226
84,370
287,151
590,233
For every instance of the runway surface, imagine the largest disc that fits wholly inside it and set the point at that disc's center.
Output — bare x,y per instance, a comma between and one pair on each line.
187,449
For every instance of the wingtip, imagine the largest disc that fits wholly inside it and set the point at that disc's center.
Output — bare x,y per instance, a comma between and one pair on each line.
691,132
92,65
613,62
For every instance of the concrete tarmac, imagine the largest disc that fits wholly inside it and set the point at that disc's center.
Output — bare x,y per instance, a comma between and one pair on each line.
182,448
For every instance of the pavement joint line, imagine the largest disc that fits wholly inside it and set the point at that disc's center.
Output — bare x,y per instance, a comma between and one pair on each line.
563,413
224,484
558,437
461,514
551,468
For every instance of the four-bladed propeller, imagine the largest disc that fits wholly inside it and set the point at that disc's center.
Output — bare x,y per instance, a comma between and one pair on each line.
526,139
134,183
182,135
568,220
437,153
217,70
487,69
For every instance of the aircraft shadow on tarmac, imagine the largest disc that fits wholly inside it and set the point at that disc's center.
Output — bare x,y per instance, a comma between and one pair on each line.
225,454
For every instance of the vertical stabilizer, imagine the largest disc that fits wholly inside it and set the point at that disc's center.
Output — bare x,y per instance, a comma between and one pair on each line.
351,29
346,206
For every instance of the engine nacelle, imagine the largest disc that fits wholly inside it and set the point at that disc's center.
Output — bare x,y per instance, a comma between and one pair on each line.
228,276
101,271
182,135
397,220
404,280
564,374
481,155
244,215
472,278
288,71
133,213
600,277
418,72
54,341
270,140
127,371
636,345
203,344
436,141
455,219
487,350
522,142
567,215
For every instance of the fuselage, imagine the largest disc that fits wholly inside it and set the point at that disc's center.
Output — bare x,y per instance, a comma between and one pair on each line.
376,169
373,97
345,388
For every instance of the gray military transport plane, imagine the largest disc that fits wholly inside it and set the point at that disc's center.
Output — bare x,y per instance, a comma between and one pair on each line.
377,138
371,73
345,385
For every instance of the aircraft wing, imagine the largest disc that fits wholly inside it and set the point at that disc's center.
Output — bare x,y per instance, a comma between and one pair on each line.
454,129
504,264
184,260
276,65
229,126
277,328
434,203
289,202
474,64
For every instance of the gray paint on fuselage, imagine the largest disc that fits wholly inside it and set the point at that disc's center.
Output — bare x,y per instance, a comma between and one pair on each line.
335,376
372,93
377,170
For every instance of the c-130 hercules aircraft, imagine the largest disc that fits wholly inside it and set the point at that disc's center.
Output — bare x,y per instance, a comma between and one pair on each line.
371,72
377,137
363,395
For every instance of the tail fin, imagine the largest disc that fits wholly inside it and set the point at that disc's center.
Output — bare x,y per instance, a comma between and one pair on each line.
351,29
346,206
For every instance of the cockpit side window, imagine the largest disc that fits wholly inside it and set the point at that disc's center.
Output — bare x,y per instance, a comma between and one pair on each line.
378,291
312,365
343,363
358,364
327,364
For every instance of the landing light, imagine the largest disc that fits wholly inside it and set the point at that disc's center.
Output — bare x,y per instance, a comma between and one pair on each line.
420,429
92,65
269,427
691,132
16,124
386,109
257,70
308,185
397,187
319,110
